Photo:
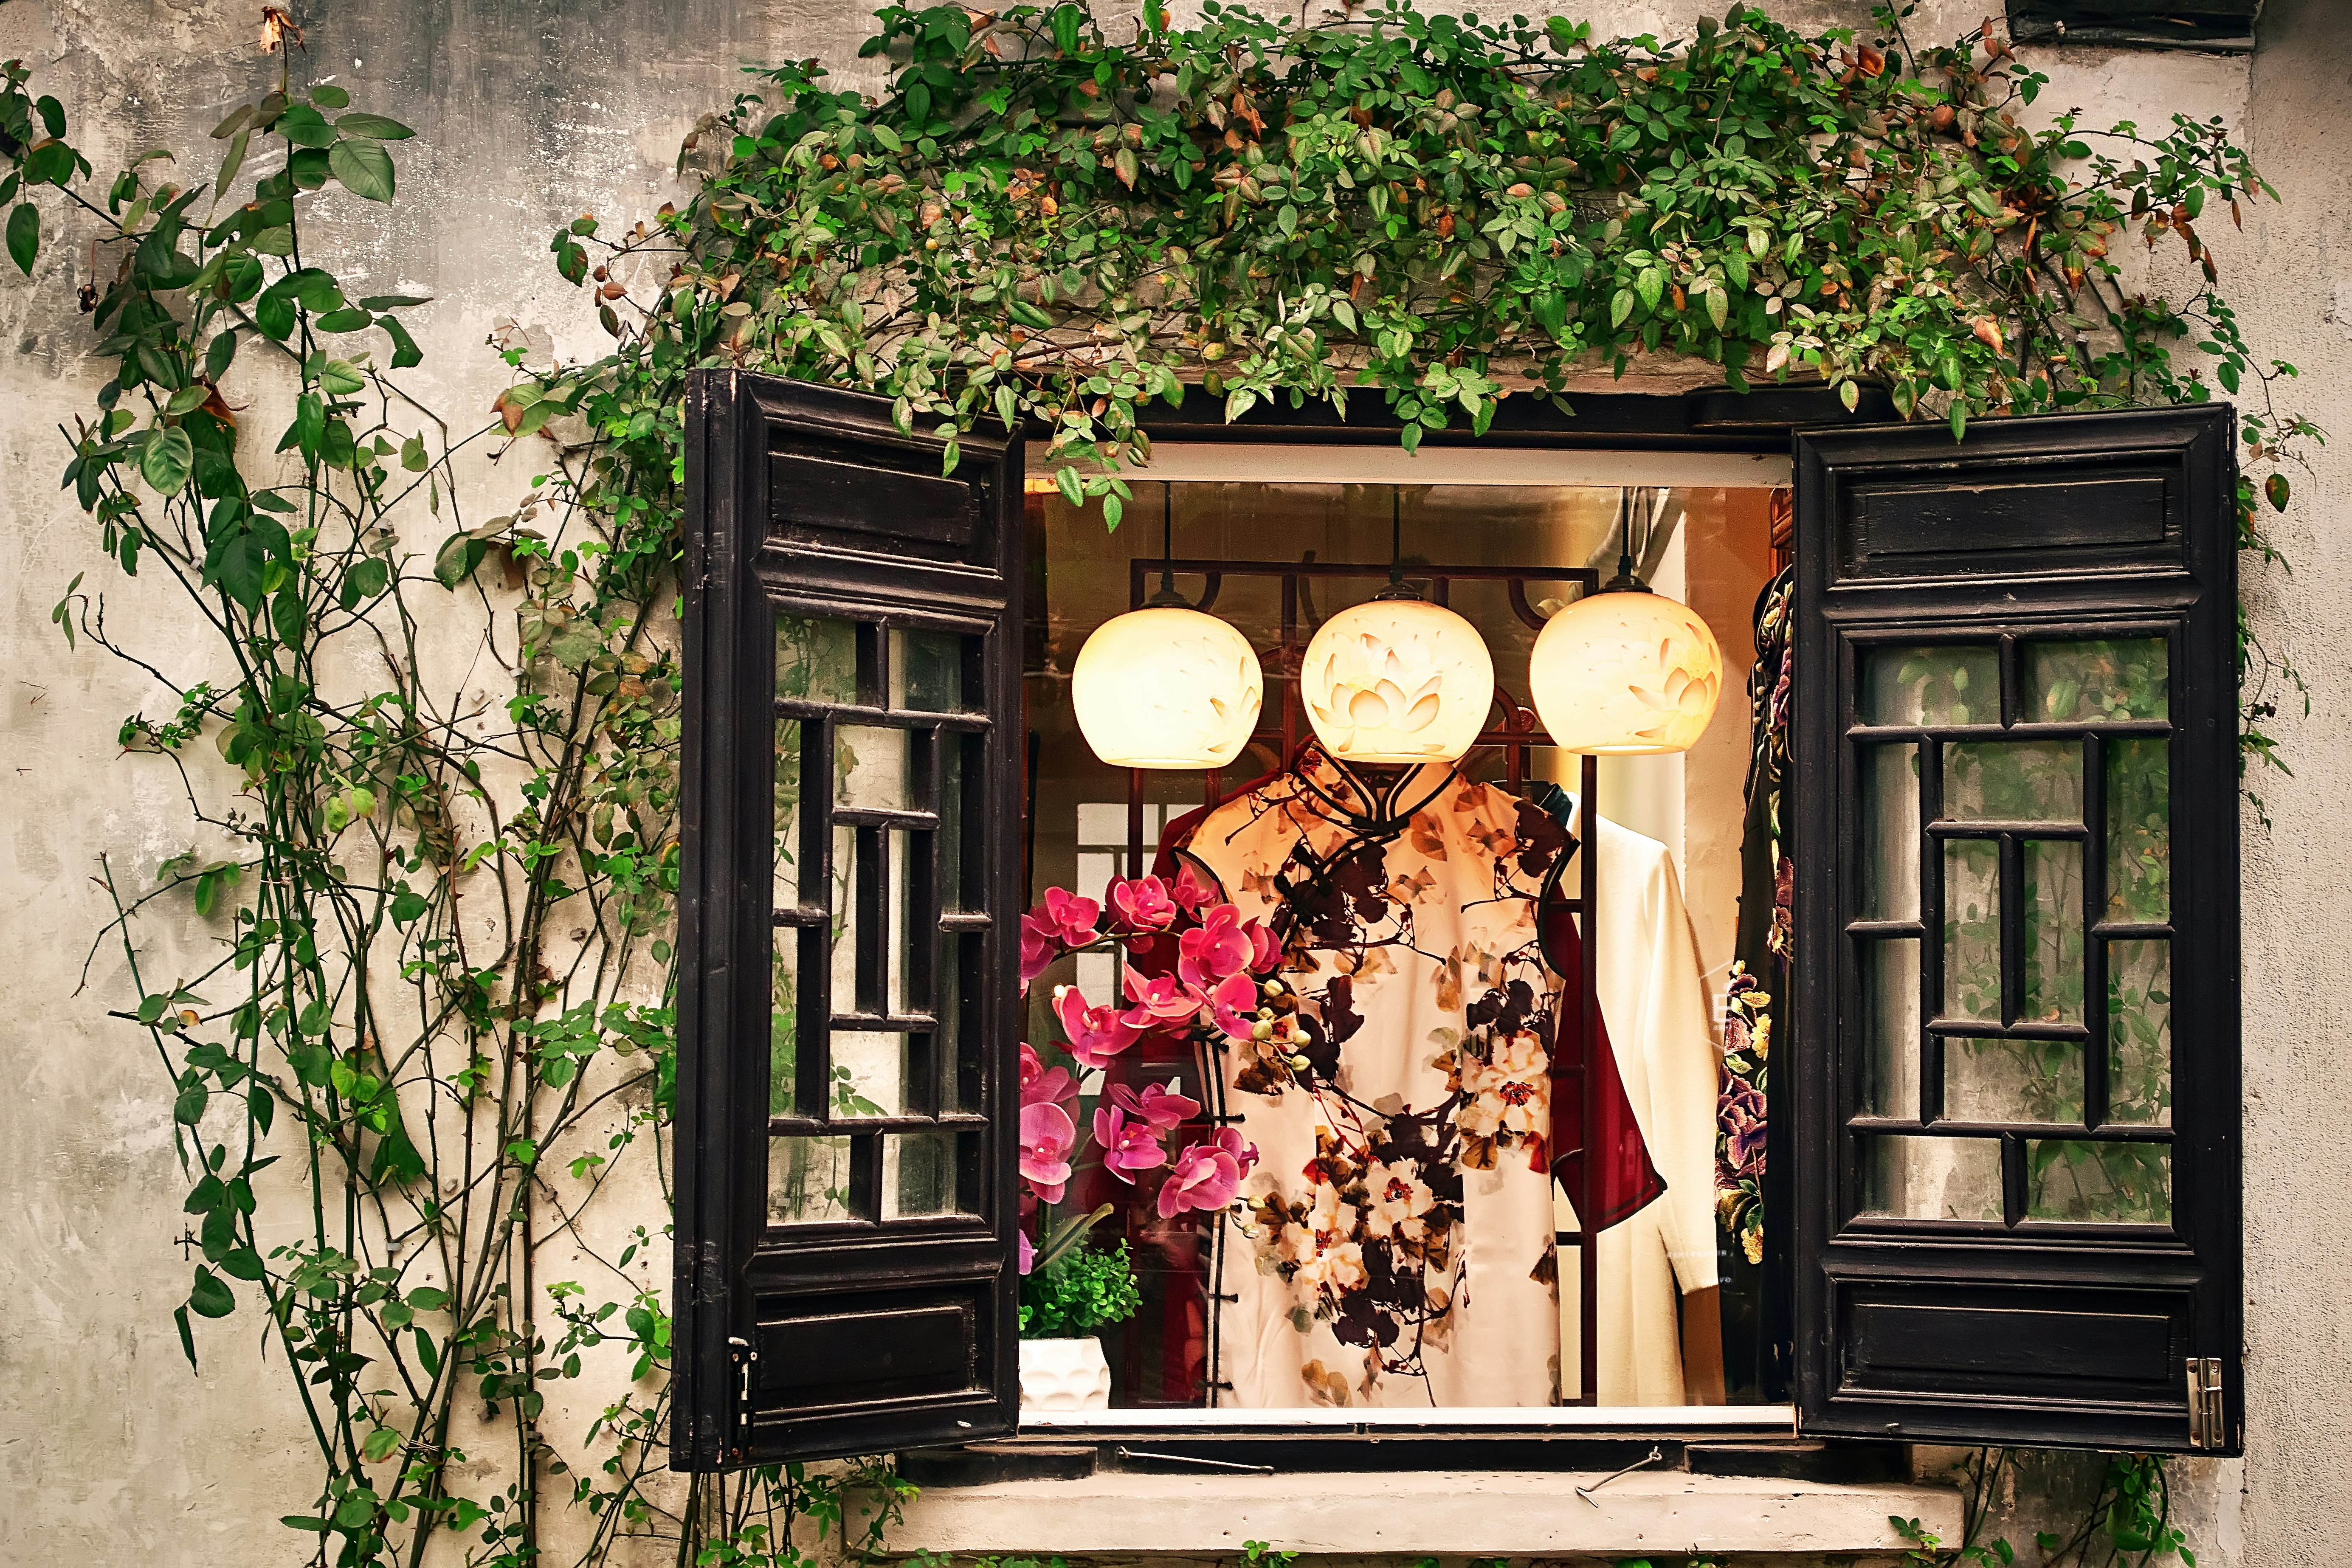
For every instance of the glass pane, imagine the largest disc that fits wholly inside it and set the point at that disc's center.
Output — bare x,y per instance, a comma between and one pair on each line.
919,1174
2012,1081
873,768
1972,929
817,660
2140,1033
808,1180
952,776
787,862
1890,827
2140,831
783,1023
845,919
1932,1178
870,1072
1890,1022
2052,936
927,671
2110,1183
958,989
1946,685
904,996
2013,781
2095,682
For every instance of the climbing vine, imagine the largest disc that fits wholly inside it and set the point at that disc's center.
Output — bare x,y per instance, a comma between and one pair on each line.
436,854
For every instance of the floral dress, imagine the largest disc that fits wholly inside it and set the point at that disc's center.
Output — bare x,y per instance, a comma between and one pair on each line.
1398,1243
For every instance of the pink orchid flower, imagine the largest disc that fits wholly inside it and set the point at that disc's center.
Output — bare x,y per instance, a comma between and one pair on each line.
1127,1146
1218,948
1037,949
1159,1002
1028,1252
1143,904
1234,1003
1047,1136
1159,1105
1266,949
1208,1175
1192,890
1063,922
1040,1085
1097,1034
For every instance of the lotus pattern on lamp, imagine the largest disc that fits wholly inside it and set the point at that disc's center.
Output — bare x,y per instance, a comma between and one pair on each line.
1625,674
1396,680
1167,688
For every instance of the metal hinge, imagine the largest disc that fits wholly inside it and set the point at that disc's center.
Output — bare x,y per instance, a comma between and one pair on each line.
739,1351
2206,1427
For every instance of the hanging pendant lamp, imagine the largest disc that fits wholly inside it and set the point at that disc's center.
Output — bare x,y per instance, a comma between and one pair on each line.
1397,680
1166,686
1626,671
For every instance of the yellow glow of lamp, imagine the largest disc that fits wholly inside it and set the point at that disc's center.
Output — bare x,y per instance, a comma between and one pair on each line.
1396,680
1625,672
1167,685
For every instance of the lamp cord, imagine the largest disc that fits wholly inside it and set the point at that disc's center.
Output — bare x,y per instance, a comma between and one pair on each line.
1168,597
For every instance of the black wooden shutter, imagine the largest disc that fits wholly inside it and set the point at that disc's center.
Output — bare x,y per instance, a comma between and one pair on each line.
2015,1117
847,1023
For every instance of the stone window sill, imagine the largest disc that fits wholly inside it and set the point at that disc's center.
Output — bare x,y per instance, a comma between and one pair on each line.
1420,1513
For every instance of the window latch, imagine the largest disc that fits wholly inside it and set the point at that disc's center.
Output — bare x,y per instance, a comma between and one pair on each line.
739,1351
2206,1427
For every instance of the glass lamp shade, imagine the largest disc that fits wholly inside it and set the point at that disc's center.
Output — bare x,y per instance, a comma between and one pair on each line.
1625,675
1396,680
1167,688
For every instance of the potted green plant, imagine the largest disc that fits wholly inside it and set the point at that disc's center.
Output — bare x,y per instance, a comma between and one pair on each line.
1064,1302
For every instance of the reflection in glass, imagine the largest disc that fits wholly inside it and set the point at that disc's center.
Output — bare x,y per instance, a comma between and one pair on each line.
902,995
2053,937
1890,1022
919,1174
2139,832
788,847
870,1069
1932,1178
2107,1183
2013,781
1890,828
1950,684
2140,1033
2013,1080
927,671
784,1022
1972,929
873,768
846,847
808,1180
2101,682
817,660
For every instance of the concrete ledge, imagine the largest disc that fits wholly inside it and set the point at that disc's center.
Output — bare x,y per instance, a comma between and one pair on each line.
1495,1514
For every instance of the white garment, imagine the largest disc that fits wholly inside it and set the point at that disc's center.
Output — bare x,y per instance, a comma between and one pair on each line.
1654,1004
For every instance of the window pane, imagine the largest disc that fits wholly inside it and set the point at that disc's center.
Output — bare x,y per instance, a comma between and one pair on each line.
846,844
960,993
1951,684
870,1071
927,671
2013,781
906,994
1890,826
783,1023
952,776
808,1180
1890,1020
817,660
2052,936
788,846
1932,1178
919,1174
873,768
2012,1081
2110,1183
2095,682
2139,832
1972,929
2140,1033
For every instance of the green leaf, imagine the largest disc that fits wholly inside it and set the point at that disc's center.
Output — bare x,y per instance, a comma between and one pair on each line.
404,352
1719,305
1066,480
234,124
188,1107
339,377
375,127
349,319
326,95
357,1507
187,1337
209,1297
380,1444
303,1521
232,163
363,167
1620,307
459,555
2275,487
288,616
24,236
394,301
167,460
365,581
218,353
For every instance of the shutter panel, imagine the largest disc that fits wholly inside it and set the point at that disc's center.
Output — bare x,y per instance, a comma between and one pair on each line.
847,1023
2015,1084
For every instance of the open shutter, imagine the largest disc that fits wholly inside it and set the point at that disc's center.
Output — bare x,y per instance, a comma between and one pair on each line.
847,1023
2015,1128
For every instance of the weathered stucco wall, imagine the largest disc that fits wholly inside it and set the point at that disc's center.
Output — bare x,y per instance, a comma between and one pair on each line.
111,1451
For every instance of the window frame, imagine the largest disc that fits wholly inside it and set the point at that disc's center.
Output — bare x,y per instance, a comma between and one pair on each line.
712,1246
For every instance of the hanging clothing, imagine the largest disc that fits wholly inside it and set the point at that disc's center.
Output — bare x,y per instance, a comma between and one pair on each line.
1655,1001
1755,1010
1399,1249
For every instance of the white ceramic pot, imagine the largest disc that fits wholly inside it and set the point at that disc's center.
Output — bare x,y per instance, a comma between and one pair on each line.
1064,1374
